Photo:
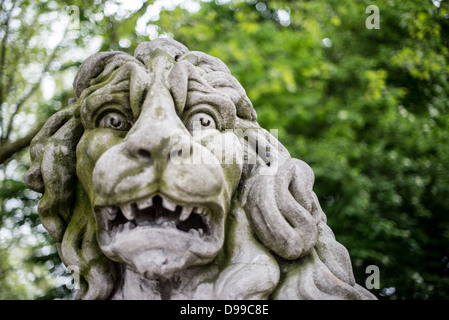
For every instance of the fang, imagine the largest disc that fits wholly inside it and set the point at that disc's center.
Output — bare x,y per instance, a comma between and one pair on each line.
128,211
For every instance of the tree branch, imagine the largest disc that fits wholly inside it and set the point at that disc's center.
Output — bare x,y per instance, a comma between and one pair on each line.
31,91
3,56
11,148
18,106
27,33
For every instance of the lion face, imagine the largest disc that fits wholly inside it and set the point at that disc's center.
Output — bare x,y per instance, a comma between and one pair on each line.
155,172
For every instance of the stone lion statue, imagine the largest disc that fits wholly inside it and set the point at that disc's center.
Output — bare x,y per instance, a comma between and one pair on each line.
158,183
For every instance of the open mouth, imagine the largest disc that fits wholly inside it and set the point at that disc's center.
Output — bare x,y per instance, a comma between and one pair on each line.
156,212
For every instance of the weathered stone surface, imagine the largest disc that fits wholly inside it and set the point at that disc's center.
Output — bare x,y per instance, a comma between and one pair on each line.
158,183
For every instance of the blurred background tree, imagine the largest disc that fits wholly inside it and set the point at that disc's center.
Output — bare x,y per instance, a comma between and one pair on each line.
366,108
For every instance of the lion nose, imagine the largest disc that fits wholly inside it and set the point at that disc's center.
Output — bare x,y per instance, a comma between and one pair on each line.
144,154
157,141
155,136
150,150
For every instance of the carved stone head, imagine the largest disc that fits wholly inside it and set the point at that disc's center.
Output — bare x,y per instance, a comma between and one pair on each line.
158,183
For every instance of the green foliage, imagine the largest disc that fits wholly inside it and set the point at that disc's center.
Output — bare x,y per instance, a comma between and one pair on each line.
366,108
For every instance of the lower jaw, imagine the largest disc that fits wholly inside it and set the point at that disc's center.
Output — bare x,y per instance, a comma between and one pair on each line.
162,252
158,264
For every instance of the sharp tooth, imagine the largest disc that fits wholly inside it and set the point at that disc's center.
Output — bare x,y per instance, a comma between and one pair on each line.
167,204
143,204
110,212
127,226
160,221
201,210
201,232
128,211
185,213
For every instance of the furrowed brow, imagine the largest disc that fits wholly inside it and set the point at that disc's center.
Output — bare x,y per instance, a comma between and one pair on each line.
190,89
92,104
114,93
113,86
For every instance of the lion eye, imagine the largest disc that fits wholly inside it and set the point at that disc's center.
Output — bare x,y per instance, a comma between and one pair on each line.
201,121
114,120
